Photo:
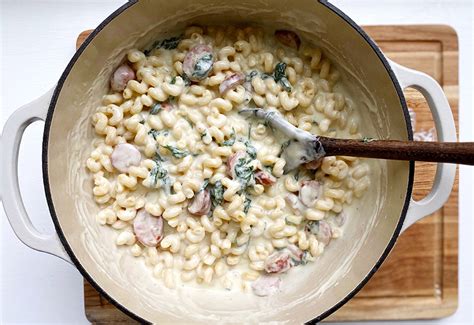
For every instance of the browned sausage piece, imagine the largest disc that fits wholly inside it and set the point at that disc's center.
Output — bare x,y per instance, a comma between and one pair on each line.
264,178
324,234
278,262
120,78
231,82
148,228
288,38
295,203
309,193
198,62
124,156
201,203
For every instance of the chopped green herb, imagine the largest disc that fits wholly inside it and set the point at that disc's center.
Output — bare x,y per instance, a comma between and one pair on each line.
230,142
251,75
250,130
155,109
367,139
217,194
176,152
173,80
142,122
247,203
203,134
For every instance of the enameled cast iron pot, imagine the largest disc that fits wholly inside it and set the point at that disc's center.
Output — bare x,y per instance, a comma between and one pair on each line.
345,266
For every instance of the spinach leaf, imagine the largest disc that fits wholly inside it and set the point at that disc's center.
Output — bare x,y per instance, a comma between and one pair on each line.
204,185
285,84
158,157
155,109
217,194
155,133
170,43
230,142
279,71
305,259
167,44
250,149
176,152
186,79
280,76
203,66
251,75
247,203
158,172
244,172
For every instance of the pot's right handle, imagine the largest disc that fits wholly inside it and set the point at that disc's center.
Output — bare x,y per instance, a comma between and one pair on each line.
446,132
11,196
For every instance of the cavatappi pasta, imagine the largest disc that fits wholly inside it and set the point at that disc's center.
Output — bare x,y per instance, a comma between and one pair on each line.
197,190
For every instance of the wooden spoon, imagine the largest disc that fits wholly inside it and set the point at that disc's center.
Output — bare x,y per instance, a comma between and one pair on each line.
304,147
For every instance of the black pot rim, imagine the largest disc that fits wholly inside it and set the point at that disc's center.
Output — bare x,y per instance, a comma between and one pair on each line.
62,236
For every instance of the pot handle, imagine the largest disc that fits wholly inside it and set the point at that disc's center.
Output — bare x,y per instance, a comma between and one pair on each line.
446,132
11,196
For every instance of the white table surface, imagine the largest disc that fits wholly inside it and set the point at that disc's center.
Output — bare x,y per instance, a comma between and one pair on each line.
37,41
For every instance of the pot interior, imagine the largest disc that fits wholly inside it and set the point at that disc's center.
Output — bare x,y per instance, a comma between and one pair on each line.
308,292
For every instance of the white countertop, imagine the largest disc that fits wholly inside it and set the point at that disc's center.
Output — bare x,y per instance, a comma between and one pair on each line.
37,41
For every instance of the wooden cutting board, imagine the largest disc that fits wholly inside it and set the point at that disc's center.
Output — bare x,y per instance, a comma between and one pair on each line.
419,280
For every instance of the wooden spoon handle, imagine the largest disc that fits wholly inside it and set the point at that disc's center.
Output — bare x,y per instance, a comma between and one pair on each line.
450,152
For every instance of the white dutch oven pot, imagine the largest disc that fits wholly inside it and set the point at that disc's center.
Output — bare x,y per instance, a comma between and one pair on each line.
347,264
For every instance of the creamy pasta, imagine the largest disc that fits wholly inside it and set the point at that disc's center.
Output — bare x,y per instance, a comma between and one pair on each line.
198,190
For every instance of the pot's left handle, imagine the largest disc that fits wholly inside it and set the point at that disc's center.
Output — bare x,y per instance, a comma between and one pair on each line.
11,196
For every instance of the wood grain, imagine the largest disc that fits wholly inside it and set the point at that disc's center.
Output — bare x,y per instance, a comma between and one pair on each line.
449,152
419,279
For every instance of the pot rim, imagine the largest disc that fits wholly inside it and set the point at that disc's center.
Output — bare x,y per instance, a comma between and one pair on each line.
62,235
